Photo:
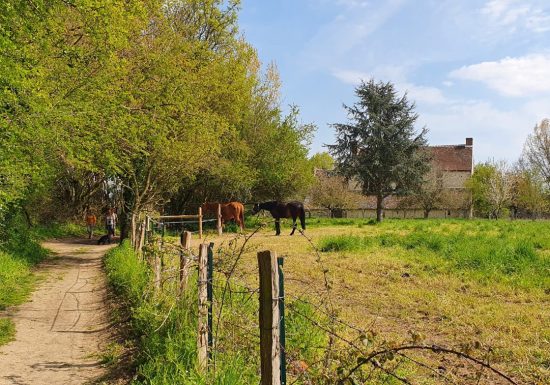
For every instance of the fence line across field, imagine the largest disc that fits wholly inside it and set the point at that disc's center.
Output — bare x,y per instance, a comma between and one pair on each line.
146,225
270,321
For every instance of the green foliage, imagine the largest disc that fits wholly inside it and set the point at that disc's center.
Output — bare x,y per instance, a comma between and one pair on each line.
135,104
344,243
126,273
379,147
529,195
304,340
280,158
479,185
167,334
58,230
322,160
492,187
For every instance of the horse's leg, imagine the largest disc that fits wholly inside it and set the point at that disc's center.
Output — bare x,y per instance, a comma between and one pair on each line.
239,222
277,226
293,225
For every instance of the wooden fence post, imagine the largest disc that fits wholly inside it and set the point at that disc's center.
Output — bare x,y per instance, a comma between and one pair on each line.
210,296
219,220
185,242
157,263
270,350
280,265
202,340
200,222
142,236
147,228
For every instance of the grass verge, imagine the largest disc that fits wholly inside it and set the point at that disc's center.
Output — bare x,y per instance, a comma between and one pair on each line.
165,328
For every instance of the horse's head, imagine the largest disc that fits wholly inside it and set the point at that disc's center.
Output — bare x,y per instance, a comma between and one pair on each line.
256,208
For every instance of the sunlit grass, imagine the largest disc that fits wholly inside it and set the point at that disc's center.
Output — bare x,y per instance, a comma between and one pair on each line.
456,282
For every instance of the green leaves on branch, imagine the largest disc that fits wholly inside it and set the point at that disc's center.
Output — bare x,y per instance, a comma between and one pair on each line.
379,147
139,101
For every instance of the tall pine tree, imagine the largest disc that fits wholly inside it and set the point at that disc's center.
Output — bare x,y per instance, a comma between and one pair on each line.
379,146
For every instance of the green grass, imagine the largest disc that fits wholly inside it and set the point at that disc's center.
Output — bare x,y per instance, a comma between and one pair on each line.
517,253
453,281
7,331
58,230
166,328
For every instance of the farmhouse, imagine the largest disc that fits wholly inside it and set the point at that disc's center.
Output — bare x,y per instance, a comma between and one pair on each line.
452,165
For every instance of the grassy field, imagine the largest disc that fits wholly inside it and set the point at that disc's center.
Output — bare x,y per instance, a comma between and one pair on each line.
456,283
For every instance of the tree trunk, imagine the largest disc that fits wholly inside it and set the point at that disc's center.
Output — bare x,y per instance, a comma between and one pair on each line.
426,214
134,228
128,206
379,208
27,217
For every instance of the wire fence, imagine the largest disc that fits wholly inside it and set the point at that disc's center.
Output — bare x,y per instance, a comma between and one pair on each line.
311,342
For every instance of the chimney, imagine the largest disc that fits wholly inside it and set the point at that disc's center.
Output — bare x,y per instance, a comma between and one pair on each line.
469,142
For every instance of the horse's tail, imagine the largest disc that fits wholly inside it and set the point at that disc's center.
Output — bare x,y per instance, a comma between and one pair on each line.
303,217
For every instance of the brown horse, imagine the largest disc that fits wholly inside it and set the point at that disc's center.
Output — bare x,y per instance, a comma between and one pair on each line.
229,210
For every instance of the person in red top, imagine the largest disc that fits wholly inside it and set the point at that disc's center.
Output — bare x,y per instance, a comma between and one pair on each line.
91,221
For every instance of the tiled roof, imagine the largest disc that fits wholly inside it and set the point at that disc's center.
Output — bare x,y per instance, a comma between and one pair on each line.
452,158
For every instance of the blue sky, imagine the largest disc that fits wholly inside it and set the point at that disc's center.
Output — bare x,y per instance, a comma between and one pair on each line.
476,69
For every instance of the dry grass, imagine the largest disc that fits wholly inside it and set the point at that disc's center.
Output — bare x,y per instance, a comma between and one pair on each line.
396,291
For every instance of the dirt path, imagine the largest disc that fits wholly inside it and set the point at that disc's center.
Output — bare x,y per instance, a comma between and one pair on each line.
64,325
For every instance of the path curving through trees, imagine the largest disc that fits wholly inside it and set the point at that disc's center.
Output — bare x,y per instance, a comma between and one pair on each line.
61,330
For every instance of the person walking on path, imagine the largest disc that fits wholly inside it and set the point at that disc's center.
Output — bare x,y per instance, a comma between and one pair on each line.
91,221
110,222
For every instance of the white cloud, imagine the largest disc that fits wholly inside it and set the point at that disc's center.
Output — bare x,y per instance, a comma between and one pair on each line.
335,41
498,133
516,14
353,3
422,94
521,76
417,93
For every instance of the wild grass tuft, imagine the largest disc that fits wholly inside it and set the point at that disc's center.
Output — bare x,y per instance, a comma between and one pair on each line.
7,331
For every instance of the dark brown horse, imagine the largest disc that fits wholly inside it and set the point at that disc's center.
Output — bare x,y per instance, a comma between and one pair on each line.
229,211
280,210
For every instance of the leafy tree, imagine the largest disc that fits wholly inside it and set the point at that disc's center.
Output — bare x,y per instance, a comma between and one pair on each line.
431,193
536,151
322,160
278,144
491,187
332,193
137,104
380,146
529,196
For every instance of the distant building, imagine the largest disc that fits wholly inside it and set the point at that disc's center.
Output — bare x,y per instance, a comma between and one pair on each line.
454,164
